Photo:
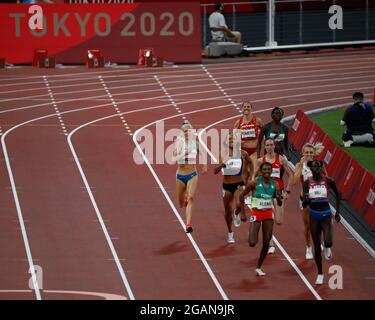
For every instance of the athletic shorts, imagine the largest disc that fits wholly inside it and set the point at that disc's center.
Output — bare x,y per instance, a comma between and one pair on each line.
184,178
249,151
232,187
260,215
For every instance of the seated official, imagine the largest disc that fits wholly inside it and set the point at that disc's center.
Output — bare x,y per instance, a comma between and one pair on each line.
358,119
219,29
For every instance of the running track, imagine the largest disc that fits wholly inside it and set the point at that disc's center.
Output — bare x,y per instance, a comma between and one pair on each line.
74,202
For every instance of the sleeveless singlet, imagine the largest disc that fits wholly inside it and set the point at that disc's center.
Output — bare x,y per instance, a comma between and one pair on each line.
233,167
188,152
250,130
262,199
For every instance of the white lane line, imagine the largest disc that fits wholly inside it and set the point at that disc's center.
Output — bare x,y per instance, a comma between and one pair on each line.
229,99
186,68
251,78
54,103
100,218
20,219
211,91
10,173
345,223
256,79
115,105
172,101
66,112
104,295
284,252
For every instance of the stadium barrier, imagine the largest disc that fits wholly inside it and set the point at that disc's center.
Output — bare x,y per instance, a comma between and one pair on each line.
355,183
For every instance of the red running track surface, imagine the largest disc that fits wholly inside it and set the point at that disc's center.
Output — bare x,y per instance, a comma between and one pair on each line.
102,227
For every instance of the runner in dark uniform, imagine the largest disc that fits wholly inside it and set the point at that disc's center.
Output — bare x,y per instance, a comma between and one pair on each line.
276,131
315,195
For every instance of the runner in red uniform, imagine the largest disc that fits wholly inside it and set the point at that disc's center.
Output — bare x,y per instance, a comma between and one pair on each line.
249,125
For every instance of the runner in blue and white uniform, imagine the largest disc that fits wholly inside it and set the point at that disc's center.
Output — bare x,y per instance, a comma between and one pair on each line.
236,168
186,155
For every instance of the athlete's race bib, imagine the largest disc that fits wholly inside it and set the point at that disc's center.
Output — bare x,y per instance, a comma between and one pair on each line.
318,192
277,136
261,204
275,173
234,164
248,133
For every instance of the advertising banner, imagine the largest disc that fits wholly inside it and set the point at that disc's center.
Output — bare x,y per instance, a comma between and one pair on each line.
118,30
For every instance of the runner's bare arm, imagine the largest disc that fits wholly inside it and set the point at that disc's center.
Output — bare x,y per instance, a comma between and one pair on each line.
297,173
219,166
237,124
249,187
305,193
333,186
290,174
260,139
278,197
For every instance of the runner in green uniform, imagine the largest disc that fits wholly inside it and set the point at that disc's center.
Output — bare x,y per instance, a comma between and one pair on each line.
265,196
277,131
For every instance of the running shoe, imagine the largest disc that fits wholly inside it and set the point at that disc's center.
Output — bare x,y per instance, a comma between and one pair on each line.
230,238
259,272
271,250
189,229
319,279
328,253
309,254
236,219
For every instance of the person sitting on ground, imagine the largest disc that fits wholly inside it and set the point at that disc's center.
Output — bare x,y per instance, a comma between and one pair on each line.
358,120
219,29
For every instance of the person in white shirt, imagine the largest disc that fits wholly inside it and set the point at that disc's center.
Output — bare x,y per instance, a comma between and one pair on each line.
219,29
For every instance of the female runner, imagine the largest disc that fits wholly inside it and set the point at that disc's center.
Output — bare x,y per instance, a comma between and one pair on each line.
279,166
302,173
315,195
265,196
185,154
249,126
277,131
236,168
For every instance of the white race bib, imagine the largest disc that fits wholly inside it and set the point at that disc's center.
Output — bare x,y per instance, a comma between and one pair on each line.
275,173
318,192
262,204
277,137
248,133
